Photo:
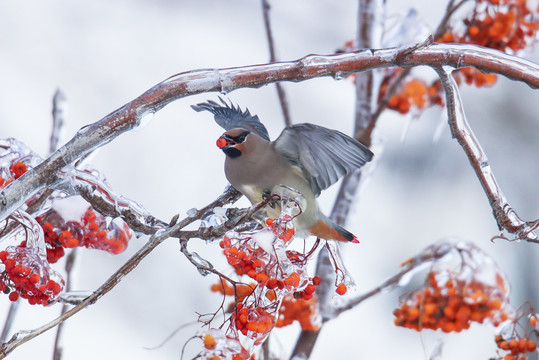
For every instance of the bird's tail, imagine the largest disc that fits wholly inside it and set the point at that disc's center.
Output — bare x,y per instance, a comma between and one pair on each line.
327,229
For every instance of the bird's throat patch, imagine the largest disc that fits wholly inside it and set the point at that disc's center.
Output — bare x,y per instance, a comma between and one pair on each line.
232,152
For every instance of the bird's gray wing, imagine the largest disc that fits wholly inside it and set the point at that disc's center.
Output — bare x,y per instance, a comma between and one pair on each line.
229,117
324,155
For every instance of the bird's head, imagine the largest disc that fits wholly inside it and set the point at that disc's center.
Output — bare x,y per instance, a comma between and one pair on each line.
232,142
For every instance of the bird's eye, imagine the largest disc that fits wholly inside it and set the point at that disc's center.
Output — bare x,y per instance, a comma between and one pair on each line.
241,137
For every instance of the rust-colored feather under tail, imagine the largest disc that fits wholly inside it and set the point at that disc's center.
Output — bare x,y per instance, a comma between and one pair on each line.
332,232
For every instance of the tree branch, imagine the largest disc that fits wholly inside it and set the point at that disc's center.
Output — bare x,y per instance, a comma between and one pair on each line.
504,214
130,115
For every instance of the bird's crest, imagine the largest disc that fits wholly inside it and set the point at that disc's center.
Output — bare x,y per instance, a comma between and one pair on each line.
229,116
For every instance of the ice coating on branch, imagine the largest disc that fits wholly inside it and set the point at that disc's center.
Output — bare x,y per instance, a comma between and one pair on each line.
143,120
407,277
93,182
203,265
15,160
408,28
12,150
27,230
216,217
75,297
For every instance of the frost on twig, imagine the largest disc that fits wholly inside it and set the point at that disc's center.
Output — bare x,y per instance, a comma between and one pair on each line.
504,214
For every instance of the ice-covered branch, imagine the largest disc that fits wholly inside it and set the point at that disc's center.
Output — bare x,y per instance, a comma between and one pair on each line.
93,187
22,337
139,111
506,217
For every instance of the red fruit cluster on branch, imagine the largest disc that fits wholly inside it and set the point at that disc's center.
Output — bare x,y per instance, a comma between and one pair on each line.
281,292
516,337
298,309
26,275
517,346
505,25
254,320
451,305
90,231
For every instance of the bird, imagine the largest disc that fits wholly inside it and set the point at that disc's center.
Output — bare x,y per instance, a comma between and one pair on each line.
305,157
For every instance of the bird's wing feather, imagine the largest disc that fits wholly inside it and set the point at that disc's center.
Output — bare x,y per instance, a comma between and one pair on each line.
230,117
324,155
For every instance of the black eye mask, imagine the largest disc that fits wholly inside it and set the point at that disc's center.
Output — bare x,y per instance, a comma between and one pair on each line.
237,139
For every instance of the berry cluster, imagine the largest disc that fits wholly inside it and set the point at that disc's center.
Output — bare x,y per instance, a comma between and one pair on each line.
281,292
89,230
27,275
450,303
298,309
506,25
248,256
253,319
412,93
517,346
516,336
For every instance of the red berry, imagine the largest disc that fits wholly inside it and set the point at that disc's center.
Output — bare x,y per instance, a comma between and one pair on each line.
13,296
341,289
18,169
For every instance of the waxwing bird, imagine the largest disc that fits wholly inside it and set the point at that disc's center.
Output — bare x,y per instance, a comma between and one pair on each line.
305,157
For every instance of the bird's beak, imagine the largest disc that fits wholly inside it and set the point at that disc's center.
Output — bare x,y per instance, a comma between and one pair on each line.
224,141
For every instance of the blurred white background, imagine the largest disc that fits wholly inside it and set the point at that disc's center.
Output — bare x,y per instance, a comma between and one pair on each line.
103,54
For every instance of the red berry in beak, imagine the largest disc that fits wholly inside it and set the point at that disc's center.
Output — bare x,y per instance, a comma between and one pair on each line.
221,143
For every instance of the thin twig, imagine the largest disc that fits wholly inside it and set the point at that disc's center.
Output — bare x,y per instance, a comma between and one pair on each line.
504,214
273,58
58,114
